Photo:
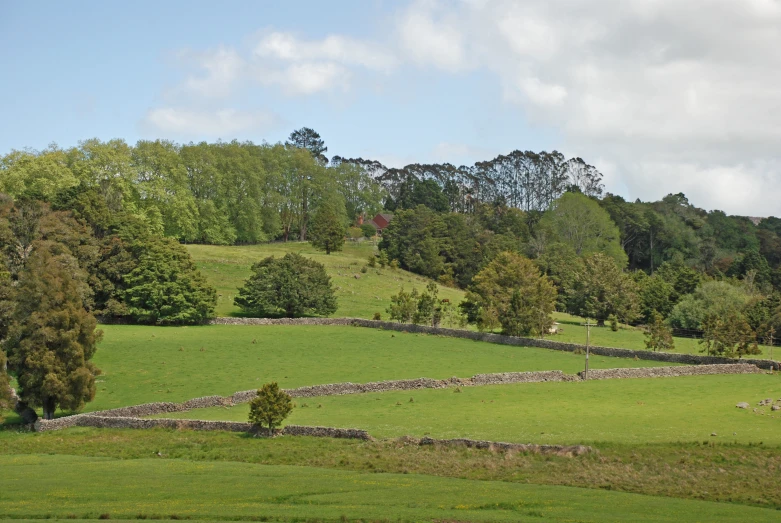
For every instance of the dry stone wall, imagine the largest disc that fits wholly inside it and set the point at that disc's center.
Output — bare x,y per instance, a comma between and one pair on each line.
568,450
668,372
689,359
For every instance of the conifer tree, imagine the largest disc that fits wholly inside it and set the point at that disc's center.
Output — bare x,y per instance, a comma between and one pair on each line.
658,335
270,407
52,338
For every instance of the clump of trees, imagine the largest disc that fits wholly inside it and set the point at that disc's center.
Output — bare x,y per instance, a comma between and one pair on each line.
510,292
291,286
729,336
421,308
270,407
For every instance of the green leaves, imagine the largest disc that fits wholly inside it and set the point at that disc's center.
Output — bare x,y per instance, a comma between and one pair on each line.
290,286
510,291
270,407
165,287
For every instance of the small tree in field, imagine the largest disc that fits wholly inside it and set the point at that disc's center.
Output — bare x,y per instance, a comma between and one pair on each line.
270,407
658,336
326,231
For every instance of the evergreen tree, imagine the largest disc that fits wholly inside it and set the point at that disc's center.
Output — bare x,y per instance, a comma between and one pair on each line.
270,407
165,287
52,338
603,290
290,286
511,291
327,230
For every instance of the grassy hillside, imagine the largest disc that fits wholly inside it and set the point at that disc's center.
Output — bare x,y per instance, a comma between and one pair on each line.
142,364
227,267
638,411
41,486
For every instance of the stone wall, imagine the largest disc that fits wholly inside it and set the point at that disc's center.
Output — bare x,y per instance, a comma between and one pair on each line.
690,359
568,450
667,372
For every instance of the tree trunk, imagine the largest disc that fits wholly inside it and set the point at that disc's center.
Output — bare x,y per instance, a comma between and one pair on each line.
48,407
600,323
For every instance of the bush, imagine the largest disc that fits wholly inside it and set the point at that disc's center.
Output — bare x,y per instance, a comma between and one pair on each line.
364,269
394,264
290,286
368,230
372,261
270,407
377,316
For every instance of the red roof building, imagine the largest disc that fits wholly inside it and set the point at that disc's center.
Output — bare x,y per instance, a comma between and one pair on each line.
381,221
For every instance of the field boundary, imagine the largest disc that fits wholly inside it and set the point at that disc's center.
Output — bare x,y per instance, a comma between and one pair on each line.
501,339
136,416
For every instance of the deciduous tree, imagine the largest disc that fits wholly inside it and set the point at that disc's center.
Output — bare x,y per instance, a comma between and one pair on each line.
658,335
603,290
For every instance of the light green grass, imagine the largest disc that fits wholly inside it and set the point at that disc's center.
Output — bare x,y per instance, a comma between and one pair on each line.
142,364
712,471
34,486
571,330
639,411
226,268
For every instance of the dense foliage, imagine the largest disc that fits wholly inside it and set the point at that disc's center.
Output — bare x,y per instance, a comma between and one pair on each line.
511,292
270,407
290,286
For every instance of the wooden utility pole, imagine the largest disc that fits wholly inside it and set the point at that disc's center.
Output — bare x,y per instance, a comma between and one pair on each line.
588,325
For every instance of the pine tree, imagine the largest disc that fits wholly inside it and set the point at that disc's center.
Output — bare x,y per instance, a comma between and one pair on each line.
52,337
270,407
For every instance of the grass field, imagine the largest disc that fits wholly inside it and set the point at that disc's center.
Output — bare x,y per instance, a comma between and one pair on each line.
142,364
73,487
226,268
638,411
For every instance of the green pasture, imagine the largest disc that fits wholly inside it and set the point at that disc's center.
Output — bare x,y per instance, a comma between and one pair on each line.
571,330
142,364
226,268
637,411
45,486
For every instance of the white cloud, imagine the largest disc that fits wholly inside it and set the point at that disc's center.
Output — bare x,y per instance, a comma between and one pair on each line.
224,123
333,49
306,78
668,95
429,39
221,68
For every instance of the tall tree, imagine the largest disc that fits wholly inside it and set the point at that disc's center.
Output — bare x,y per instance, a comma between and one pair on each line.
52,337
603,290
579,221
327,229
309,139
270,407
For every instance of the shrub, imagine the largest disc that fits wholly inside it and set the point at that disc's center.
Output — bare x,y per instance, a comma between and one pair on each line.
290,286
368,230
364,269
377,316
394,264
270,407
372,261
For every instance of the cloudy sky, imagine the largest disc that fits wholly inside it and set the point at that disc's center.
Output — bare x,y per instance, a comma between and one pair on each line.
662,95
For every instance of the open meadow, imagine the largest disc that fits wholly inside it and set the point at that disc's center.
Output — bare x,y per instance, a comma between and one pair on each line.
637,411
142,364
665,449
226,268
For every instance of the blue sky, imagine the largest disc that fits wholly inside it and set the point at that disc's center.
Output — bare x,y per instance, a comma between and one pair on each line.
658,101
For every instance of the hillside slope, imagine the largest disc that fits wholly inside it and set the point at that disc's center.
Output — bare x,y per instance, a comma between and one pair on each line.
226,268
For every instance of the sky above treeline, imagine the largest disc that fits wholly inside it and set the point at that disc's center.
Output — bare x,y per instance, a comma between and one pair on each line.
663,96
